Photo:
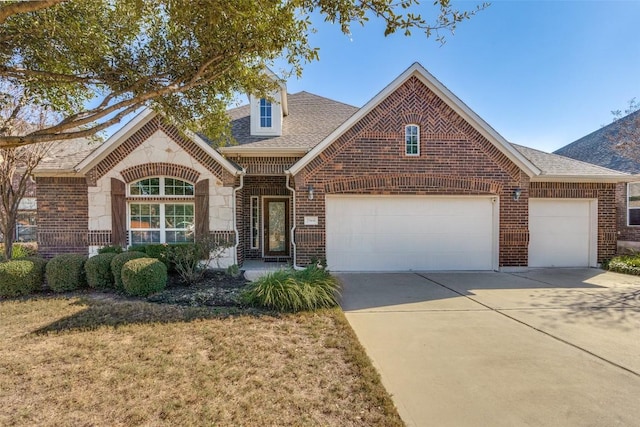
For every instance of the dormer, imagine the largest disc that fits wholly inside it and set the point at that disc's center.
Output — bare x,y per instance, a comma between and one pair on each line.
267,112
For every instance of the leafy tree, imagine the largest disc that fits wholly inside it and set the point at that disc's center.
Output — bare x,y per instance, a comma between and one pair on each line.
17,116
95,61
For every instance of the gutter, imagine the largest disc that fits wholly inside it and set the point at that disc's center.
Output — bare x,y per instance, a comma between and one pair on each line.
241,174
293,229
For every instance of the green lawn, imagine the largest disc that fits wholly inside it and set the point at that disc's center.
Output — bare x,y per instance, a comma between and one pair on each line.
94,359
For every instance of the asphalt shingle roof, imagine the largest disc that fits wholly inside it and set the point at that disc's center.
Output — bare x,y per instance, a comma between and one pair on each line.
65,155
598,147
311,119
557,165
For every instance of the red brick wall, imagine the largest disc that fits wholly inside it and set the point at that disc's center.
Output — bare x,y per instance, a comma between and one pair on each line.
625,233
454,160
62,216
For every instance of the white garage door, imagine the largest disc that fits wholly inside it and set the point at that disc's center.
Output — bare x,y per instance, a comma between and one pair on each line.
400,233
562,233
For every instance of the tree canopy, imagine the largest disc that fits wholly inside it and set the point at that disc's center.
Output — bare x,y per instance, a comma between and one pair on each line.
95,61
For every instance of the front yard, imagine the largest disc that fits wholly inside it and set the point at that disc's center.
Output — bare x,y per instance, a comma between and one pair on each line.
102,359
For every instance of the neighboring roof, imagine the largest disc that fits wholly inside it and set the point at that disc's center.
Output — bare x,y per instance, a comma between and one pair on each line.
447,97
311,119
556,167
598,147
64,155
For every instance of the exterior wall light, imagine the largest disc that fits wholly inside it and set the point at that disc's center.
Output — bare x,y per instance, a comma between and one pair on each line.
310,192
516,194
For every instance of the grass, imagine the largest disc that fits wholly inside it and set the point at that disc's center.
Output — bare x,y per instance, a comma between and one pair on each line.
99,360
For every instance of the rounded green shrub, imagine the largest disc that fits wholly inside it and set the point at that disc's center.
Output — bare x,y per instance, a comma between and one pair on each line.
21,277
66,272
120,260
115,249
144,276
98,270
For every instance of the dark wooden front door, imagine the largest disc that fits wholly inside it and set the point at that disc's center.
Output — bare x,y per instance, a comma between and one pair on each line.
276,226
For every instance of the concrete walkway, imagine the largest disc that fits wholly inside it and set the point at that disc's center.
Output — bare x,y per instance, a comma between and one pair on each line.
545,348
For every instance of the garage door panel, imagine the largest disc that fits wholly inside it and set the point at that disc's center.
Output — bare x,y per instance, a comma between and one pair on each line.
561,233
385,233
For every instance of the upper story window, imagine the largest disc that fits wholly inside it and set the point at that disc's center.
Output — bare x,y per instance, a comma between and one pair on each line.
412,140
266,117
633,203
161,186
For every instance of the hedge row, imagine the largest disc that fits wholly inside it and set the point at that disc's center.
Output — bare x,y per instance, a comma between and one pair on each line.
68,272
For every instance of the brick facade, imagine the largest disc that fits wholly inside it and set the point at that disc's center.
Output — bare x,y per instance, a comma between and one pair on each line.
62,216
454,159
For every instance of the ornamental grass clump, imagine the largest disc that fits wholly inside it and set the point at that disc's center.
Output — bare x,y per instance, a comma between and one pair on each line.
66,272
144,276
98,270
21,277
118,261
292,291
628,264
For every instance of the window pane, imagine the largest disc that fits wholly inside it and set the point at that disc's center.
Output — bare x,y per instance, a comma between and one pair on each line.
143,237
176,187
179,236
144,215
265,113
145,187
26,226
634,216
412,140
634,194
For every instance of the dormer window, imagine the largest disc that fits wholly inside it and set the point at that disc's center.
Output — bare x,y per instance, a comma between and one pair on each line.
266,117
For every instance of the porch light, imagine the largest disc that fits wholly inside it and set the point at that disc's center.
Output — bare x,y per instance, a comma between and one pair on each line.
516,194
310,192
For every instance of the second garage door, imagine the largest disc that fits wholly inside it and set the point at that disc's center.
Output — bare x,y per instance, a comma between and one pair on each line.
562,233
401,233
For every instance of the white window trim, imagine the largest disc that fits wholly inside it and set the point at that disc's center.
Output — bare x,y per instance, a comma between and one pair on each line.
406,128
162,229
629,205
254,217
162,186
260,116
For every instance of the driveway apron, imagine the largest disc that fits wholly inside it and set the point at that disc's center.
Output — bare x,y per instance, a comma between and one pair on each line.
543,348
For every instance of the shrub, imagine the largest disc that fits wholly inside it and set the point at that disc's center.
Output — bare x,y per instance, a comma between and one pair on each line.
191,260
21,277
289,290
111,249
137,248
118,261
157,251
21,250
98,270
144,276
629,264
66,272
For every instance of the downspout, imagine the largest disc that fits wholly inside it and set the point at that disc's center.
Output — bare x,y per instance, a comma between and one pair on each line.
293,229
235,214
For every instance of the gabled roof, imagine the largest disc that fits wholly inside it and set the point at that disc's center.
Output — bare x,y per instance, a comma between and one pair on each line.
63,156
598,147
554,167
311,119
447,97
129,129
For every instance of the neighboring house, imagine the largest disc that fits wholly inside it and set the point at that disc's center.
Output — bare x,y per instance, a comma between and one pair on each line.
413,180
599,148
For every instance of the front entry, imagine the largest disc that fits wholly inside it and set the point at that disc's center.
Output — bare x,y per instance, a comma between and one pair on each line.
276,227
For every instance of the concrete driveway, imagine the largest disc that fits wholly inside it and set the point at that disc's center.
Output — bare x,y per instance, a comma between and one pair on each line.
556,347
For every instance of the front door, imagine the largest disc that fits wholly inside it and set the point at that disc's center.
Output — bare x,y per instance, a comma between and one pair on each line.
276,226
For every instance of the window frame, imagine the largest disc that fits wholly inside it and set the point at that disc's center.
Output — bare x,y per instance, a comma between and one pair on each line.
410,143
162,200
265,106
629,208
254,222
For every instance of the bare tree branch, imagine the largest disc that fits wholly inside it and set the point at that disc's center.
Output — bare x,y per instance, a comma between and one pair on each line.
25,7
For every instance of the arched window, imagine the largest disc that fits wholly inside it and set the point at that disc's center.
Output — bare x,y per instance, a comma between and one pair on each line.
412,140
168,218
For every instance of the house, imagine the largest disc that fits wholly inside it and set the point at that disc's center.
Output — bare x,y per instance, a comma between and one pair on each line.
599,148
413,180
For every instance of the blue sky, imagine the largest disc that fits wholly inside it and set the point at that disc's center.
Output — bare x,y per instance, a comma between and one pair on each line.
542,73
